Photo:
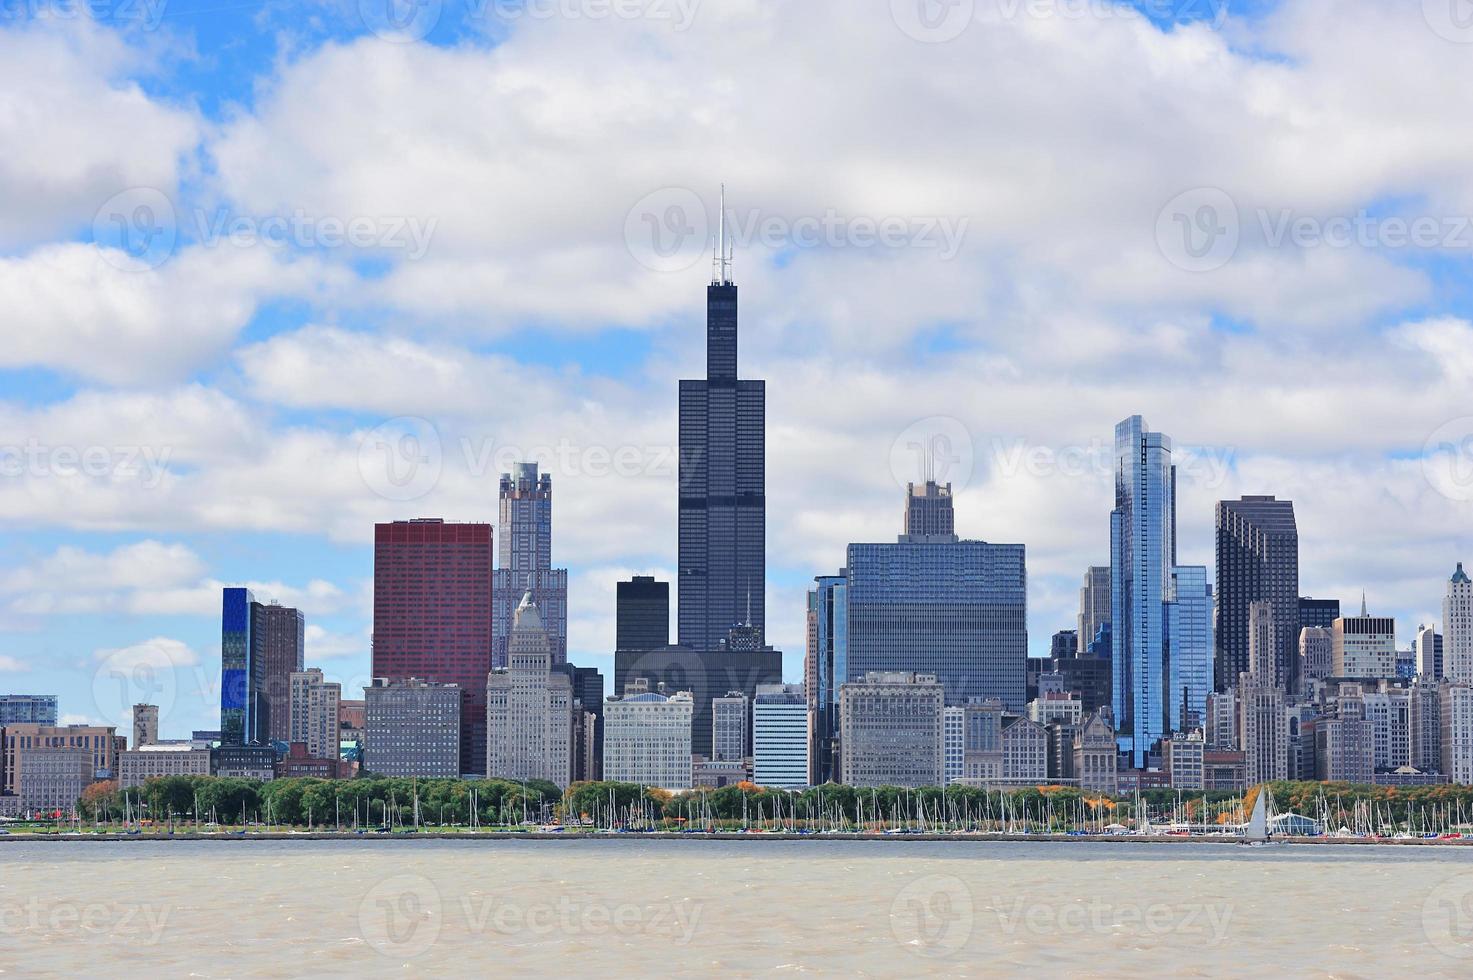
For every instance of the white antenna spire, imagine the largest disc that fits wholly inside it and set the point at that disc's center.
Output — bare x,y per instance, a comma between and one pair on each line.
722,259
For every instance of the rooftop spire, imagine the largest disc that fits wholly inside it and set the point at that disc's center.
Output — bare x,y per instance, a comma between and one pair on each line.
1460,577
1363,611
721,261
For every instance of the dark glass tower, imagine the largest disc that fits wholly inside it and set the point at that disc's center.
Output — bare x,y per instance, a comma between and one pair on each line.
1257,560
723,505
642,617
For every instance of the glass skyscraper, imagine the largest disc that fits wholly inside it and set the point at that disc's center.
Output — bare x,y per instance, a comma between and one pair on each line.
27,709
935,604
1190,653
825,668
261,645
723,504
1142,555
1257,560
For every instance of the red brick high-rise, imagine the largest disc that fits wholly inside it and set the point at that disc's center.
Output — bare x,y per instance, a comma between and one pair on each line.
432,615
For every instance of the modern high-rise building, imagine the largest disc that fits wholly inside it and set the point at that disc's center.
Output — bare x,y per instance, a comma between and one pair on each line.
730,717
529,720
1457,628
413,728
642,617
929,511
145,725
1316,652
432,615
314,718
941,606
780,736
954,736
1428,647
525,562
722,502
1364,646
892,730
244,708
1189,646
1257,561
1142,555
825,669
27,709
1094,605
1318,612
647,737
283,632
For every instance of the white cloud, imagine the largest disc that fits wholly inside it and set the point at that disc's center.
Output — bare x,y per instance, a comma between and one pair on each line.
10,665
158,653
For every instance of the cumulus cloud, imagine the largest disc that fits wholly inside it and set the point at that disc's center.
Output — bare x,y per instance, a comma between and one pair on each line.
158,653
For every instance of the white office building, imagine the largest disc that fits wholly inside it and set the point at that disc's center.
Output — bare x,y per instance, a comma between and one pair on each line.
780,736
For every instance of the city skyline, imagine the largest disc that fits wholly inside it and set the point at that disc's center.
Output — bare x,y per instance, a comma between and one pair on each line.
251,400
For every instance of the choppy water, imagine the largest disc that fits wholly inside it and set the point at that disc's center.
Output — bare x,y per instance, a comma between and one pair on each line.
625,907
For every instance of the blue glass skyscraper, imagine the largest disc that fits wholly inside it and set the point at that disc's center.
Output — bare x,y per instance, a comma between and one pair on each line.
1190,646
1142,555
239,701
824,670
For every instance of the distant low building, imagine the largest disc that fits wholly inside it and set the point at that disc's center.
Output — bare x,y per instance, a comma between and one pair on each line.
299,763
647,738
1182,757
256,762
780,736
151,761
1096,761
892,730
414,728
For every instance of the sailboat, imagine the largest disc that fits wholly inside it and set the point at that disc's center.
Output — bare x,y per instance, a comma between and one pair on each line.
1257,832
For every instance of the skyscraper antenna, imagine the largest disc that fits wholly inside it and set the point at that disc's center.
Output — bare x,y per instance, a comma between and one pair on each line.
721,261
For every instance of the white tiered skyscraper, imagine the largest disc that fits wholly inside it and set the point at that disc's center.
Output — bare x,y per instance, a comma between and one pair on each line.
528,707
1457,628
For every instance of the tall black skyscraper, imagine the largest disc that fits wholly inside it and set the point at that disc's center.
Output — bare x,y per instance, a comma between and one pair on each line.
1257,560
642,616
723,503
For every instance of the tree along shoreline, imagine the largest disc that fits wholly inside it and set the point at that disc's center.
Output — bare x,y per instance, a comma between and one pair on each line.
394,804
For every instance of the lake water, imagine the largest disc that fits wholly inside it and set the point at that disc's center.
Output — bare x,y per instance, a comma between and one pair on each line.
627,907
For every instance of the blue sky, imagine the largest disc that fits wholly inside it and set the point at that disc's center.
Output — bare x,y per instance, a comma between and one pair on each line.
188,301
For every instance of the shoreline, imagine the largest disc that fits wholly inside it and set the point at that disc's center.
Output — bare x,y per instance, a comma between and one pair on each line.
485,837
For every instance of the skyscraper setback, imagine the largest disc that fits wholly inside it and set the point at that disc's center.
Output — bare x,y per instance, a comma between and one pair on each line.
525,562
723,504
432,615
